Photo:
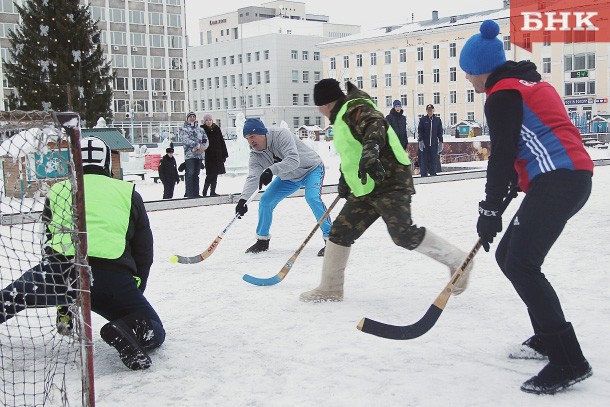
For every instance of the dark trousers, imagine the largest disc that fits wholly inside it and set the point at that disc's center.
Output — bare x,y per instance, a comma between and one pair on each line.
427,164
191,177
211,180
114,295
168,190
552,199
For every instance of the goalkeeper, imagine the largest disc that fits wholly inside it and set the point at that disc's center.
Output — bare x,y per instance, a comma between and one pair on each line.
120,253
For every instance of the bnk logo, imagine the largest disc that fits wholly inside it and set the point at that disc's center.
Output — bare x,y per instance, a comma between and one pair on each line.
565,21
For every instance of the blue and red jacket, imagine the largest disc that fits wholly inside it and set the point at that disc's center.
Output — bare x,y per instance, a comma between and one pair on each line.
547,139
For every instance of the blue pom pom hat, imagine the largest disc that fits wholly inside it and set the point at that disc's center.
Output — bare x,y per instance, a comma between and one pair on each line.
483,52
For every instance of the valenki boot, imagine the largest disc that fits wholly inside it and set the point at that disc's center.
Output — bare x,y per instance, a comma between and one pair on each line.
444,252
333,275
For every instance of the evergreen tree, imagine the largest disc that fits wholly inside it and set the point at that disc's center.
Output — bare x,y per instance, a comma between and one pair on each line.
57,61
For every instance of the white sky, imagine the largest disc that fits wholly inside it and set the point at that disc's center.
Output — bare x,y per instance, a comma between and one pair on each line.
373,15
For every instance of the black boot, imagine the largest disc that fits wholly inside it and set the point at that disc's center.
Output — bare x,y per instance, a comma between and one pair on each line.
261,245
213,189
322,250
532,348
206,185
566,366
119,335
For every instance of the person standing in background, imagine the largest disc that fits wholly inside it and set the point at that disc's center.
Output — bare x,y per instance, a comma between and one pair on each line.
195,143
215,155
532,139
168,173
430,140
398,121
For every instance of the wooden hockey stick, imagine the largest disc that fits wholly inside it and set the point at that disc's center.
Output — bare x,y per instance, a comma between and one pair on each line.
288,265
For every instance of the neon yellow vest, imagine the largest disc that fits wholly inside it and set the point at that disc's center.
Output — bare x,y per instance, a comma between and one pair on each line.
107,209
350,151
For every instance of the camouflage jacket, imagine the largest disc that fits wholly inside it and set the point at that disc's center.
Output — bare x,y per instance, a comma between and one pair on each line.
368,124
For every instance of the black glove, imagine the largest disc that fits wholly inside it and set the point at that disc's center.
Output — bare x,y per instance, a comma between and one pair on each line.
489,224
343,190
241,207
370,164
265,178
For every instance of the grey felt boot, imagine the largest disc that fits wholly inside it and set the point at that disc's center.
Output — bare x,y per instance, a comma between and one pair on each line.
333,275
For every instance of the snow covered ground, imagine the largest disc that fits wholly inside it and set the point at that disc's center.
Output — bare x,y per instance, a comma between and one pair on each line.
233,344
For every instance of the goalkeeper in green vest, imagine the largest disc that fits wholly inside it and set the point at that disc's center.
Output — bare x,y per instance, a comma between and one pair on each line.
376,182
120,254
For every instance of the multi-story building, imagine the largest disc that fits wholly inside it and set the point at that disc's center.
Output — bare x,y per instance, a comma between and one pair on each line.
262,62
418,63
145,42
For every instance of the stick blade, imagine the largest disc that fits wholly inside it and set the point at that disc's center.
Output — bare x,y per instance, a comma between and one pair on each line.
262,281
398,332
185,259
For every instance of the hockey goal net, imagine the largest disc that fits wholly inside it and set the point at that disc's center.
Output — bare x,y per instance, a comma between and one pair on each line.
42,365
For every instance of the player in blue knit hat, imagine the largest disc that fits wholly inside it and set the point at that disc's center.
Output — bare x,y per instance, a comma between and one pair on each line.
533,145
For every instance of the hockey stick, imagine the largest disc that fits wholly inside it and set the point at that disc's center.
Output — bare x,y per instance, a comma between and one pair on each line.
426,323
282,273
208,252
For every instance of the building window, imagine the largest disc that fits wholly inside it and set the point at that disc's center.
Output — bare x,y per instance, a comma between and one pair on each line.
452,50
403,100
436,74
420,99
317,76
420,77
295,122
420,53
453,118
295,99
546,65
402,55
359,82
388,79
436,52
345,61
306,99
333,63
258,78
373,81
546,39
437,98
359,60
470,116
403,79
388,57
267,77
305,76
305,55
265,54
294,54
507,44
452,74
388,101
470,95
316,55
373,58
268,99
452,97
295,76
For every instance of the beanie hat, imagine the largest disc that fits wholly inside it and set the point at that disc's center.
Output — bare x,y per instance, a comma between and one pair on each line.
397,103
326,91
170,149
254,126
95,152
189,114
483,52
207,117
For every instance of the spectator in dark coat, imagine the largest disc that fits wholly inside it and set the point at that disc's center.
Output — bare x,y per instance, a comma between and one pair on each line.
398,121
215,155
430,139
168,173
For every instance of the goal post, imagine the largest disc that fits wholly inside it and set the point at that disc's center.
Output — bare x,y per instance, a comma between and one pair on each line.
41,365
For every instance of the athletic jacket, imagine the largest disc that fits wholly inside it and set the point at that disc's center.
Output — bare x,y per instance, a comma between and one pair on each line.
286,156
529,128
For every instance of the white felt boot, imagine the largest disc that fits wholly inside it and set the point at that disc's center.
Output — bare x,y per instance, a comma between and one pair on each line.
333,275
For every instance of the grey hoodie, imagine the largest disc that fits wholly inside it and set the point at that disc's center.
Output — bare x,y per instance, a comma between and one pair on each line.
286,156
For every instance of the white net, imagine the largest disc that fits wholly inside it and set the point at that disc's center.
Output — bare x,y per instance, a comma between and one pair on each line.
41,364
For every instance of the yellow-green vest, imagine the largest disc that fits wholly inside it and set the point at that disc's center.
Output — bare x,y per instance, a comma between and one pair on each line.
107,210
350,151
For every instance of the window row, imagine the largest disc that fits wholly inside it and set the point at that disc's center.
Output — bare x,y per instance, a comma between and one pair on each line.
119,15
402,78
154,84
139,40
388,55
144,106
234,102
145,62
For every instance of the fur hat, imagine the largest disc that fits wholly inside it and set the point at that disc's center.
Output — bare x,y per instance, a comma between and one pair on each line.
326,91
483,52
254,126
207,117
396,103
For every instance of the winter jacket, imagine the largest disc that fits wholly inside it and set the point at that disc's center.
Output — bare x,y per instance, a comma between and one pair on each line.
137,255
193,136
398,121
529,129
368,125
216,154
430,131
286,156
168,172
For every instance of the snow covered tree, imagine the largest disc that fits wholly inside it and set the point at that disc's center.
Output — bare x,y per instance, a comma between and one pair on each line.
57,62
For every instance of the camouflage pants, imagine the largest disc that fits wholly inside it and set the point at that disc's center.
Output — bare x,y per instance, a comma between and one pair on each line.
394,207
